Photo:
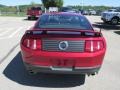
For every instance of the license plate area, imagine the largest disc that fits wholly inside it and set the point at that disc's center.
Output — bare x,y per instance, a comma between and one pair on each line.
61,68
66,64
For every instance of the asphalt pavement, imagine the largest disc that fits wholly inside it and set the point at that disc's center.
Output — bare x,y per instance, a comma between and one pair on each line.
14,77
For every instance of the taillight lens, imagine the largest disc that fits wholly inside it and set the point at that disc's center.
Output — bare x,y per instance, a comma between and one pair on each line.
94,45
40,12
34,44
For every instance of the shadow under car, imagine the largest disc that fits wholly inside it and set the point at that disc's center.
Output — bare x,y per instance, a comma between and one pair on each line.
15,71
106,26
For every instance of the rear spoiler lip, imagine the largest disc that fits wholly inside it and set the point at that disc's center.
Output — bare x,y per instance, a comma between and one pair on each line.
65,30
83,32
59,29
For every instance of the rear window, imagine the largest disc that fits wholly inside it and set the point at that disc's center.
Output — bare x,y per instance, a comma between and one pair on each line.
36,8
64,21
65,9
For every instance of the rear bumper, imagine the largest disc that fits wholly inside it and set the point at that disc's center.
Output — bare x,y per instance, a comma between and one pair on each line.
82,63
37,16
63,59
48,69
105,19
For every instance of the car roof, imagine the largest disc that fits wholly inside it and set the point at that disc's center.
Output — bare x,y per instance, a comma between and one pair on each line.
62,13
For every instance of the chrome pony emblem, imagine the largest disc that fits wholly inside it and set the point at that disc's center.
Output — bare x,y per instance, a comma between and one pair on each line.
63,45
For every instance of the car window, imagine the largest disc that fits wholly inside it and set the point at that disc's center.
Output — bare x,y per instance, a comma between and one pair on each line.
36,8
117,10
64,21
65,9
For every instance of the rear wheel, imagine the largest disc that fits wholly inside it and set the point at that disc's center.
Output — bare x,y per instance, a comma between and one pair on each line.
33,18
29,18
105,22
115,21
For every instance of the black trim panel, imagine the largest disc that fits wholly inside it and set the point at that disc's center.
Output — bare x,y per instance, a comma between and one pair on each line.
49,70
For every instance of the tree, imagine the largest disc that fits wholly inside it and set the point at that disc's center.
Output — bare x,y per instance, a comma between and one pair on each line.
52,3
33,3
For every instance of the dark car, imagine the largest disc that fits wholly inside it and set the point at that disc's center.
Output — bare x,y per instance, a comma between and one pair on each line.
65,9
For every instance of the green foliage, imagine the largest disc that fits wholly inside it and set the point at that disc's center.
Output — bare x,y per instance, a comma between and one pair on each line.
12,10
2,5
100,8
21,14
8,9
23,8
47,3
52,3
33,3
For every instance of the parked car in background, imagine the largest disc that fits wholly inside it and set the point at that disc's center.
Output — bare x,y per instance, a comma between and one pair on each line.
111,10
85,12
65,9
98,12
69,9
63,43
112,17
53,9
92,12
34,12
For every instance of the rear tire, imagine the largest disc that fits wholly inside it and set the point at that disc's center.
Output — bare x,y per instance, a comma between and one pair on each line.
105,22
114,21
29,18
33,18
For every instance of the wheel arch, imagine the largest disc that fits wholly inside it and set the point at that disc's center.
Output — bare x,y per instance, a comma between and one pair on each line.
116,17
117,20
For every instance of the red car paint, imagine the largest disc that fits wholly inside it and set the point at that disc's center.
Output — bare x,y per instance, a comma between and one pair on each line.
34,12
37,59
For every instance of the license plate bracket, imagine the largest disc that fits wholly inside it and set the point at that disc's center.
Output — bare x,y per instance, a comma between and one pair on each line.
61,68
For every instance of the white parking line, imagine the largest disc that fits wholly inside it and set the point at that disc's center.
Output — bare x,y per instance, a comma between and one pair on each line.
28,27
15,32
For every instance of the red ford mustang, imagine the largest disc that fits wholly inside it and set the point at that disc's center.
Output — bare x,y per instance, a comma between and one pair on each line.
63,43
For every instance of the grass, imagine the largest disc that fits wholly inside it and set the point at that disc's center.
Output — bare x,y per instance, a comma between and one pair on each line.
21,14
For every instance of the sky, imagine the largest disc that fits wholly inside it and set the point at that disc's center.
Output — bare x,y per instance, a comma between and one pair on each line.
66,2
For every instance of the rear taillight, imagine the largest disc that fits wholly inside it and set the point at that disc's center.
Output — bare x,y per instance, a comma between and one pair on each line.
34,44
40,12
94,45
